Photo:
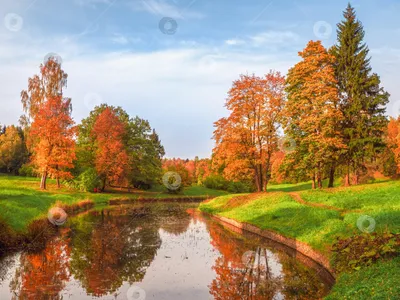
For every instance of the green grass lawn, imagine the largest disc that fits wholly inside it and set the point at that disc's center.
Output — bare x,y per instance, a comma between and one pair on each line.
21,200
380,200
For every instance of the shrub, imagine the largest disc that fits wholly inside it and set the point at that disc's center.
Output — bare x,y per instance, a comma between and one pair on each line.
27,171
362,250
239,187
217,182
86,181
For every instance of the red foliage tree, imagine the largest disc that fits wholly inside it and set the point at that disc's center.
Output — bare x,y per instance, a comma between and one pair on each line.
393,139
52,133
51,136
112,161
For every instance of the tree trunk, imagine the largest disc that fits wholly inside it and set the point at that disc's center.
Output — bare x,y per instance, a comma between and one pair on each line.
319,181
347,178
319,176
104,185
356,177
267,173
260,168
257,179
313,181
58,183
332,175
43,181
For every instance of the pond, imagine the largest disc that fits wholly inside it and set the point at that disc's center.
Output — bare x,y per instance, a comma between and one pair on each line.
158,251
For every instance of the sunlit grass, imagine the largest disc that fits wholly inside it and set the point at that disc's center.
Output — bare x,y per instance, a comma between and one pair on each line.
379,200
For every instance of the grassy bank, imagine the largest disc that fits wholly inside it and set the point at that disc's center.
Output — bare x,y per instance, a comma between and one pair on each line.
21,200
320,227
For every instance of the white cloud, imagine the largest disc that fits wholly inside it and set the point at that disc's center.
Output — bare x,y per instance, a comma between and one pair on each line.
119,39
180,91
274,37
234,42
165,9
270,39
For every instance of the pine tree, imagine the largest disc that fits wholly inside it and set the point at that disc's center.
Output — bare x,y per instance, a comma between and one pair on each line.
362,100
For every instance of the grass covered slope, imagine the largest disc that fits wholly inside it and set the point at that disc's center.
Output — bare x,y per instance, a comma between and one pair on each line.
381,201
316,226
21,200
278,211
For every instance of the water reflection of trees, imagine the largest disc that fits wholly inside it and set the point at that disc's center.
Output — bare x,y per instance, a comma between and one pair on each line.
271,272
101,251
43,275
238,279
115,250
174,219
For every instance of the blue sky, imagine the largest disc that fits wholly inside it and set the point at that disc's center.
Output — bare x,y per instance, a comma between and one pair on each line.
115,52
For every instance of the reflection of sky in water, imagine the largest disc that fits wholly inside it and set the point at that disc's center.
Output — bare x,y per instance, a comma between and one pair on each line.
182,268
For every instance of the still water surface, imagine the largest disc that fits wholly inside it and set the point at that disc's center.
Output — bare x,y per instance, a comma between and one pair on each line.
158,251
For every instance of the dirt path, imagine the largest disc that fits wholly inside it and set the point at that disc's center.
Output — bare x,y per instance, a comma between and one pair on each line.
296,197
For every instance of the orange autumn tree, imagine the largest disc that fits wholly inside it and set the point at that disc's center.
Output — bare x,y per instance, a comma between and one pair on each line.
312,113
277,174
52,133
203,169
180,166
393,139
247,138
48,122
12,149
111,161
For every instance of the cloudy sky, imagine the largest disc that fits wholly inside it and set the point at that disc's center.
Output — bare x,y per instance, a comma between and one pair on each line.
173,61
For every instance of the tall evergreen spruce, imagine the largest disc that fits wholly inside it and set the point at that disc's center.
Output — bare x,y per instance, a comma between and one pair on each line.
362,100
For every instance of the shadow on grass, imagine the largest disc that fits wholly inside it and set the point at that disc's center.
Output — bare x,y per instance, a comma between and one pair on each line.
290,187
